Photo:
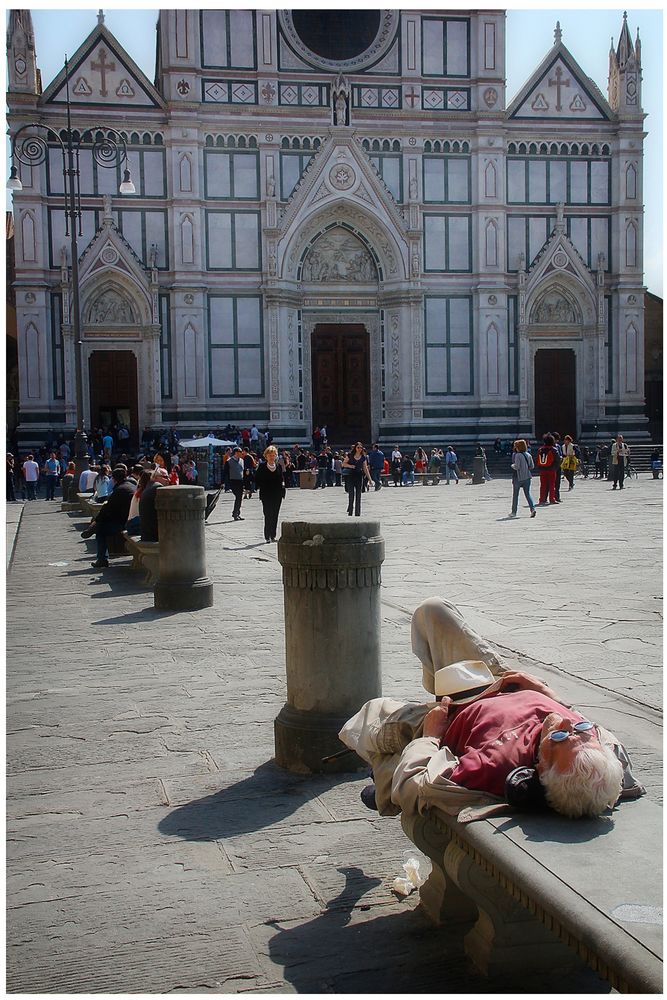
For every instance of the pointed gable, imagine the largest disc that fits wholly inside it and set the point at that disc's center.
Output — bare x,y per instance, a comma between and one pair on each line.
559,89
102,73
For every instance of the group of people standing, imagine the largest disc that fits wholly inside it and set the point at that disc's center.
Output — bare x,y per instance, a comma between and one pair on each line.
555,461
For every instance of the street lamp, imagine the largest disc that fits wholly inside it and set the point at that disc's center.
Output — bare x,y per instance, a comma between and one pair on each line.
109,149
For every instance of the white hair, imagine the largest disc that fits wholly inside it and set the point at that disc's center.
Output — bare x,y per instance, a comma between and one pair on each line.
592,784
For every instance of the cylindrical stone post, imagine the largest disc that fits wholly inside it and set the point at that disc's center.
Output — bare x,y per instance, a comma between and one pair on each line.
183,584
331,586
477,470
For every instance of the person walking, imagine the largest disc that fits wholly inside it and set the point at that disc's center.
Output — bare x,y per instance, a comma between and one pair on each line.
52,472
235,470
323,463
548,460
620,455
31,476
376,465
270,482
569,461
559,472
357,465
522,465
11,492
601,460
451,469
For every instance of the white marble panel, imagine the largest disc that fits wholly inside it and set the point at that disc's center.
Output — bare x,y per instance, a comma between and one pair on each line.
250,373
432,44
537,180
516,181
247,240
220,239
221,312
557,182
578,181
242,38
460,369
458,185
153,172
599,182
459,243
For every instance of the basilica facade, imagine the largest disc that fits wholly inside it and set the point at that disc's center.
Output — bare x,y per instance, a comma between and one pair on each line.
338,219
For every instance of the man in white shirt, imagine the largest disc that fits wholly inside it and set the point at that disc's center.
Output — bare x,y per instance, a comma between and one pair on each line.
87,479
31,476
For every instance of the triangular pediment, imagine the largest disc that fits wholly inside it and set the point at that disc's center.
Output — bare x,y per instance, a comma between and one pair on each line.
341,169
559,90
559,261
102,73
112,277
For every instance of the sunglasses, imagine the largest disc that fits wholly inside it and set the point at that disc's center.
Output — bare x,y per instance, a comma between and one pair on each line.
559,735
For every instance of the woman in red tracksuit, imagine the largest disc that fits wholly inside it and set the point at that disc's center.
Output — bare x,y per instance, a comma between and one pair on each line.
547,466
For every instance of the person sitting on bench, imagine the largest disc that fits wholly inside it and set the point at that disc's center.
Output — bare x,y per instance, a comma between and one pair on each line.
111,518
489,722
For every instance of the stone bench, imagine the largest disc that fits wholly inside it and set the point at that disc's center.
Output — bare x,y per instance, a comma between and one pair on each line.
88,505
425,478
540,892
145,557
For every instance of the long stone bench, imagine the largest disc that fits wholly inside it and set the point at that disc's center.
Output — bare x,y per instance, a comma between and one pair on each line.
88,505
425,478
145,557
542,892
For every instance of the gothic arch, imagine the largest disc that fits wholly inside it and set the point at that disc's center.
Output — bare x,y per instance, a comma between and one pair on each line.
387,248
557,303
111,300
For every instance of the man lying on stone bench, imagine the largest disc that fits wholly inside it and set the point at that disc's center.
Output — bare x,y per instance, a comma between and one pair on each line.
495,735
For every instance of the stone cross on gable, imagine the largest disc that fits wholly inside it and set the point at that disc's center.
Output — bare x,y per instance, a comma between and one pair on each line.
558,83
103,66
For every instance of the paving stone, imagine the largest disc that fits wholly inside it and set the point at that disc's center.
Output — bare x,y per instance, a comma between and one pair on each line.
152,843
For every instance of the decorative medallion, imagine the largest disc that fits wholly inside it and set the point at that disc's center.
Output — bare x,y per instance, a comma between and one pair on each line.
183,87
493,300
331,40
412,140
109,254
20,65
188,299
632,300
559,259
268,137
342,177
30,297
490,96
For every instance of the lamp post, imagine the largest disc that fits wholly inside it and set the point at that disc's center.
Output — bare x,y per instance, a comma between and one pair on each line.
109,150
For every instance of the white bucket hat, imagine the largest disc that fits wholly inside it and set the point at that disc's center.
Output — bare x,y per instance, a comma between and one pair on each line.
463,681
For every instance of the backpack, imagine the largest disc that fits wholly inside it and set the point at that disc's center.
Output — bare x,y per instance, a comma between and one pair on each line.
545,458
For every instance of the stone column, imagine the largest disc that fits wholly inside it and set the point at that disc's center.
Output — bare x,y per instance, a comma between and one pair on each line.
331,582
183,584
477,470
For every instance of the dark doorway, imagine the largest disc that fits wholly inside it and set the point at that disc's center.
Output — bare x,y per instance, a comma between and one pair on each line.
341,382
113,390
555,392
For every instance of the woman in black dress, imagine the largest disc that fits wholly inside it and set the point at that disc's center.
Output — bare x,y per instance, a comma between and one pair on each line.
357,466
270,482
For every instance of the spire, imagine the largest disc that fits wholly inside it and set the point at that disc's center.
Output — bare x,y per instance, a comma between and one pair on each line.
625,49
558,34
23,75
625,77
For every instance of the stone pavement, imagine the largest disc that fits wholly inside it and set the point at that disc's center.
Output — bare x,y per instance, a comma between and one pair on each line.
153,846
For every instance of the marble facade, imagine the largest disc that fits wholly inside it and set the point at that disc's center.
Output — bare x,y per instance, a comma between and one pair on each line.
292,176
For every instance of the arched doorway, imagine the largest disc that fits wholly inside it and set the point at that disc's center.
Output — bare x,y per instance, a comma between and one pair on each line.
341,381
113,390
555,391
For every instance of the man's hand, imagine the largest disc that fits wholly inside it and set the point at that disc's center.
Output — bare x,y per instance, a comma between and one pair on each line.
436,722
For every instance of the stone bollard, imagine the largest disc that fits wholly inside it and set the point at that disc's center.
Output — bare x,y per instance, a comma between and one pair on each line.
477,470
182,584
331,585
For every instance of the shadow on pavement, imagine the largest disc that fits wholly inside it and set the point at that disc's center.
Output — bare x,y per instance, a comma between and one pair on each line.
352,948
268,796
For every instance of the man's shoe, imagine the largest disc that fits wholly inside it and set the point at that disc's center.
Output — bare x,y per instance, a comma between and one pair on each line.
533,512
88,532
367,796
511,514
100,564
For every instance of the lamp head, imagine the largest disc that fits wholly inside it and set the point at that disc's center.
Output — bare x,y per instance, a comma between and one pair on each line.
14,183
127,186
